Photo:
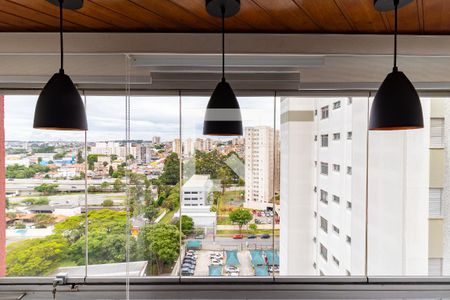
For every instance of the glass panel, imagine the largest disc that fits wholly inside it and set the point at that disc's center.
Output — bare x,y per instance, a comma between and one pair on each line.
408,197
228,192
43,192
320,236
154,185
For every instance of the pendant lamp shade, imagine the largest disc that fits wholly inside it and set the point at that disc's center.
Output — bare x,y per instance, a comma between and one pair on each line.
396,105
223,114
59,106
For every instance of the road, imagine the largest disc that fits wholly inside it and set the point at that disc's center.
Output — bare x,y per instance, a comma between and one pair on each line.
230,243
28,185
78,199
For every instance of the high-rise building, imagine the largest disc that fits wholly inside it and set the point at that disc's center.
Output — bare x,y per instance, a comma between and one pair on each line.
156,140
176,146
259,167
325,205
188,147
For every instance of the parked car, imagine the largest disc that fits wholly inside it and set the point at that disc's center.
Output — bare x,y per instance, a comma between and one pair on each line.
231,269
199,236
251,236
238,236
187,272
265,236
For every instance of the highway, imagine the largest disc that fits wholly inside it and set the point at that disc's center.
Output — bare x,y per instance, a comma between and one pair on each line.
28,185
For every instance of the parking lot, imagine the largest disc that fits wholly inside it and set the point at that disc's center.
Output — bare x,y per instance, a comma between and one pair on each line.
203,262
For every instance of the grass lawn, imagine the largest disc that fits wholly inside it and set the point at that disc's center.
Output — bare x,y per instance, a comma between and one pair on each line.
167,218
230,196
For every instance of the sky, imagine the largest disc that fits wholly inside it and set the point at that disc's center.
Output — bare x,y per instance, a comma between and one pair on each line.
150,116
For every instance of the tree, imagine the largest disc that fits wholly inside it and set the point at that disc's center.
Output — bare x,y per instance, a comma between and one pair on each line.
36,201
159,243
80,158
107,203
187,224
105,163
47,188
117,185
104,185
41,220
35,257
240,216
114,157
253,227
92,158
171,170
111,171
150,212
19,171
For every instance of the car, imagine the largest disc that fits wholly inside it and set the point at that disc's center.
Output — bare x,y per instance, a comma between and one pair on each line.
238,236
233,274
187,266
216,262
190,262
187,272
199,237
251,236
231,269
265,236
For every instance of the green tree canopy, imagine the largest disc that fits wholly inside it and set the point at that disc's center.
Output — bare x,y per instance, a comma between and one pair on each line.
240,216
160,243
35,257
171,170
47,188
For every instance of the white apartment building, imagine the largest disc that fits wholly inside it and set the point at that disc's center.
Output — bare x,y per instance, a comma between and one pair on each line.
196,201
109,148
188,147
176,146
324,169
259,167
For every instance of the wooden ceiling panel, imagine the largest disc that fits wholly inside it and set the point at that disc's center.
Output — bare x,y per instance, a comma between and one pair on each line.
289,14
436,16
255,16
327,14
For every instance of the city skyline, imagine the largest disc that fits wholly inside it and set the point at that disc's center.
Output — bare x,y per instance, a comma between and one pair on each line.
150,116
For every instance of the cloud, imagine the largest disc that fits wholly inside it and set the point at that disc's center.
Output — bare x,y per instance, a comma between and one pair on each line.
150,116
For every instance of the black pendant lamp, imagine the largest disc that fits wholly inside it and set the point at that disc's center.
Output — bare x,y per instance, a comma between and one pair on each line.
59,106
223,114
396,105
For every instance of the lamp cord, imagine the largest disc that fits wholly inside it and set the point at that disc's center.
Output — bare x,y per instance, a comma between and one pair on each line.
395,69
61,70
222,9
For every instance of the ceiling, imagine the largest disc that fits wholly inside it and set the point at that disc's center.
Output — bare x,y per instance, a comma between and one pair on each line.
255,16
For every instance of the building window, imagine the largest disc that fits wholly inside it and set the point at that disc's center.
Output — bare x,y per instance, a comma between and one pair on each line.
323,252
349,205
336,168
324,196
324,140
435,205
336,261
348,240
315,214
336,199
348,273
314,265
437,132
336,230
325,112
315,189
315,112
336,136
349,135
315,138
324,168
336,104
349,101
349,170
324,224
